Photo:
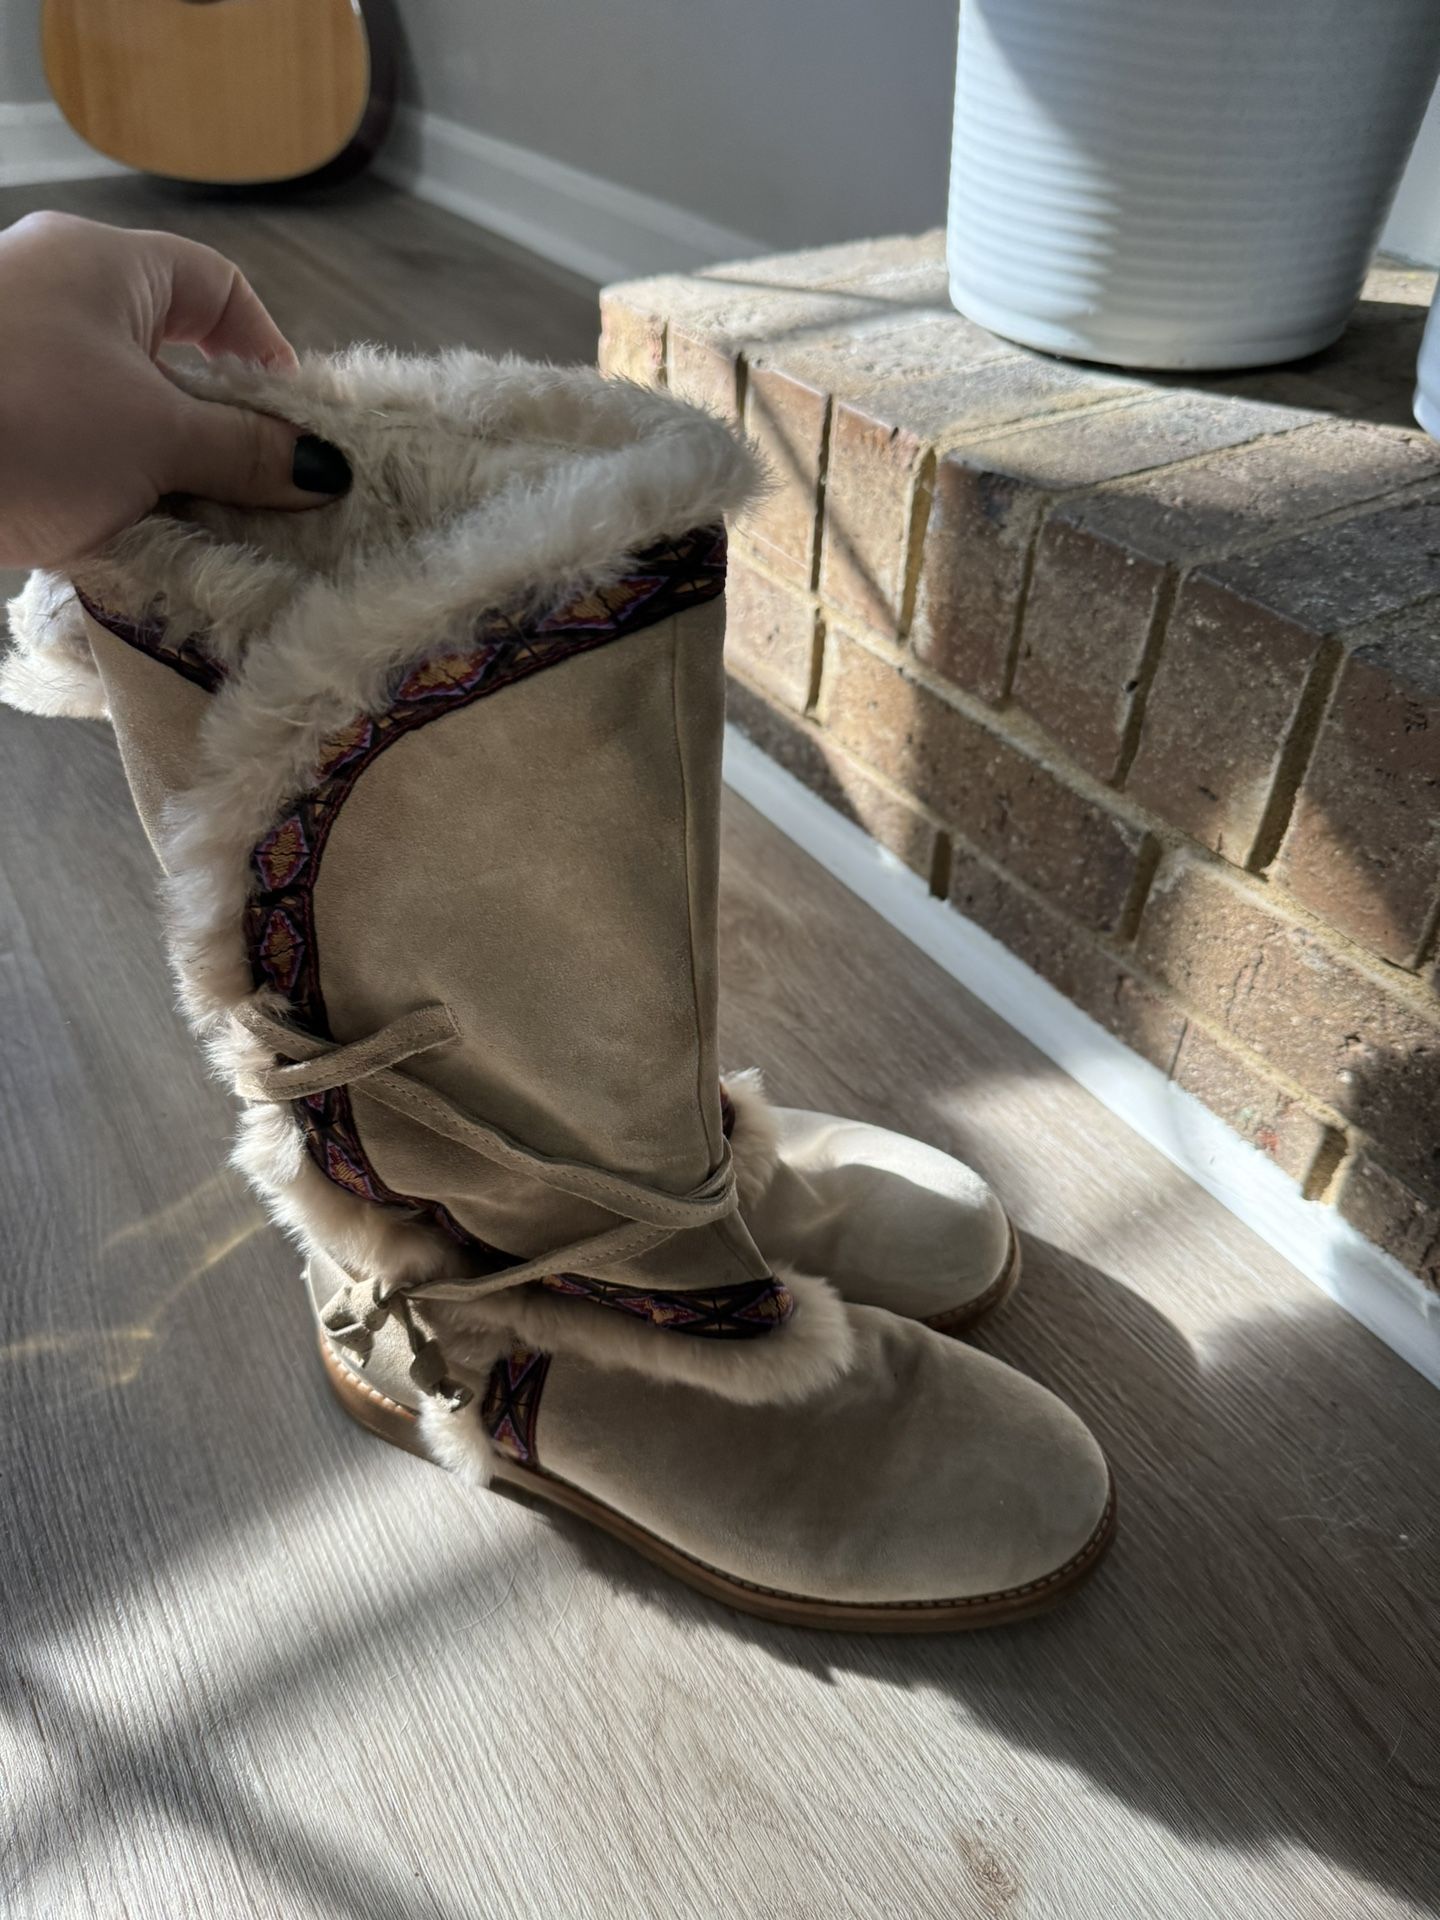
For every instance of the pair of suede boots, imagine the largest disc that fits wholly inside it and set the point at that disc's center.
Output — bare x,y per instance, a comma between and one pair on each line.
434,776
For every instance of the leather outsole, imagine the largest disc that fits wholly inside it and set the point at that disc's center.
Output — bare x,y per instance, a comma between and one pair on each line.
958,1320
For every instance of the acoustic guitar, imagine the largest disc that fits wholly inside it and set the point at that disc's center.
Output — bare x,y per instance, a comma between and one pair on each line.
226,92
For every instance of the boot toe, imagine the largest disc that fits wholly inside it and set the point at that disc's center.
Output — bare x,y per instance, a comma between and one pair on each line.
929,1476
983,1484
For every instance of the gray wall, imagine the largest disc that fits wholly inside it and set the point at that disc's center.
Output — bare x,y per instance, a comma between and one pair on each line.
795,121
21,75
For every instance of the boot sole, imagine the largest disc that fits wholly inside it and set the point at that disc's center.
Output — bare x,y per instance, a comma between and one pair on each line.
958,1320
532,1487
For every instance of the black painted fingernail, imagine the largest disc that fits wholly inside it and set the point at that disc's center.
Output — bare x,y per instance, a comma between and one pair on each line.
320,468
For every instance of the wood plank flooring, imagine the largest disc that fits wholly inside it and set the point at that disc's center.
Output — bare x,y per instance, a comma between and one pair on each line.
254,1664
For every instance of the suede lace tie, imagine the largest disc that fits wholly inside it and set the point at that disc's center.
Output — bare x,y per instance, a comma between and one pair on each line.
307,1065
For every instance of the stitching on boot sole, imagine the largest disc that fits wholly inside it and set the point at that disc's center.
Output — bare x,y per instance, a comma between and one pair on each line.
961,1319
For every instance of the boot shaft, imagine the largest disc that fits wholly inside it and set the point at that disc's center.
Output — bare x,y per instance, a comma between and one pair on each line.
449,749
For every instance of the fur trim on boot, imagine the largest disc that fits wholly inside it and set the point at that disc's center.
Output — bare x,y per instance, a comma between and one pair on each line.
755,1135
479,485
50,669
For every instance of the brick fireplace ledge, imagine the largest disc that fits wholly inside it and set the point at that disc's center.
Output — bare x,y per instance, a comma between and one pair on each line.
1143,677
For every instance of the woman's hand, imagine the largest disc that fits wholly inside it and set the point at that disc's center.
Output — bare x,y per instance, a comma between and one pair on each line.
92,432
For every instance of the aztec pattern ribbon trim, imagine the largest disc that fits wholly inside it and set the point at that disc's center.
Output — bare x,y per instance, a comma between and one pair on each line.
150,635
744,1312
512,1402
280,922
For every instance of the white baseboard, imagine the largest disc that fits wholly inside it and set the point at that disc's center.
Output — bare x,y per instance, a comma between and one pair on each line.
38,144
1370,1285
595,228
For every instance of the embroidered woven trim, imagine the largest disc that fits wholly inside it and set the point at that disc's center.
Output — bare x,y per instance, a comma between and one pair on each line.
512,1402
744,1312
280,928
149,635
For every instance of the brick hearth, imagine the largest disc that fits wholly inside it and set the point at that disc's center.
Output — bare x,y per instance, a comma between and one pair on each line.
1142,677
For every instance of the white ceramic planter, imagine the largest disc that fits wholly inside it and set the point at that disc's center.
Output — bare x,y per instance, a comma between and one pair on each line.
1427,376
1179,183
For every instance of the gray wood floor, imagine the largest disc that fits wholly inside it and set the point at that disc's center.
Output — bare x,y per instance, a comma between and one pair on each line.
255,1664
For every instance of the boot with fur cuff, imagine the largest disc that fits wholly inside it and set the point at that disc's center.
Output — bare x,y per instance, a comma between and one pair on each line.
434,774
889,1221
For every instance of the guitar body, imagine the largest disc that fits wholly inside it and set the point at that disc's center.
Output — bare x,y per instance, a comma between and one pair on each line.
225,92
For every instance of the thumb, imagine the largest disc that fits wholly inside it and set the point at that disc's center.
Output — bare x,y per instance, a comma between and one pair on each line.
248,459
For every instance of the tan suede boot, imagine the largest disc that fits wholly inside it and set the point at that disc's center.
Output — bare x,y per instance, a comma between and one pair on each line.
435,776
889,1221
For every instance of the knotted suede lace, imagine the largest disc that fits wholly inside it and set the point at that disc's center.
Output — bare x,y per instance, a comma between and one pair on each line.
311,1066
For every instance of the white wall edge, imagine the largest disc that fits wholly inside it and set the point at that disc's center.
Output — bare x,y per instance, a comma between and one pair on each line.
592,226
1413,229
38,144
1367,1282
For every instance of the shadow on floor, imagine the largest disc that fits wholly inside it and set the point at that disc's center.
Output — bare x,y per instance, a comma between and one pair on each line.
1254,1666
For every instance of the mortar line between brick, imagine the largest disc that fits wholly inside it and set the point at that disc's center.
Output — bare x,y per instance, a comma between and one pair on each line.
1067,495
817,664
1027,738
1145,676
815,729
1215,455
1049,498
1086,409
922,492
1264,437
1013,429
1295,752
1174,1060
759,560
1322,1177
1022,600
822,476
942,861
1128,403
1241,546
1014,728
1263,1068
1364,508
1147,865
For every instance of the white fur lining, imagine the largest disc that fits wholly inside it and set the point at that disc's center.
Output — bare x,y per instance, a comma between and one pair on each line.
321,1217
810,1353
755,1136
50,669
455,1439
